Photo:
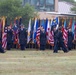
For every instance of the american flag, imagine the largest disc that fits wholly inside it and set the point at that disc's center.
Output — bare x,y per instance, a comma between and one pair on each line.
65,36
51,38
50,35
4,34
38,36
4,40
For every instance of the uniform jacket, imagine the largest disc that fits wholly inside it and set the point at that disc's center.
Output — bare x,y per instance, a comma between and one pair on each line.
9,36
42,38
22,36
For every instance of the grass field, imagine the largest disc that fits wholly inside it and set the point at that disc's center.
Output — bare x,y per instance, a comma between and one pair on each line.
32,62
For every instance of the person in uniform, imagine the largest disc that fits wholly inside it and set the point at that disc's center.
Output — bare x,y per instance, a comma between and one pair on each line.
22,37
42,39
9,37
61,40
58,40
15,35
70,39
55,40
1,49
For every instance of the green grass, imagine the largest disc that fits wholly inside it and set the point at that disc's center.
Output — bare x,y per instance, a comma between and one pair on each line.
33,62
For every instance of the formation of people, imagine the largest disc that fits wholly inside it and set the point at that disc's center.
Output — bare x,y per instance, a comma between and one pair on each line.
17,38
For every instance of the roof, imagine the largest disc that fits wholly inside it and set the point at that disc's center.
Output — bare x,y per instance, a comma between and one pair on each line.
65,7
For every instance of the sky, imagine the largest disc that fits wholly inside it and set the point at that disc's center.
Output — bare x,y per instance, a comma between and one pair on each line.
75,0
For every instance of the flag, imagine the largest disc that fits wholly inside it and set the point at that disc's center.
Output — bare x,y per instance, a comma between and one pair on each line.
29,30
38,33
43,24
70,23
4,35
55,22
38,36
75,32
61,22
73,26
46,21
4,38
65,34
50,34
65,24
34,31
32,28
39,22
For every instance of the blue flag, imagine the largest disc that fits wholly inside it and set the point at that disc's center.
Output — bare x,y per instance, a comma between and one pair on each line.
55,21
65,25
35,29
43,23
46,22
73,26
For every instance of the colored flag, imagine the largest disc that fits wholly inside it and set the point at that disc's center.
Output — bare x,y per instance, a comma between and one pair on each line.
70,23
34,31
73,26
4,35
55,22
46,21
38,37
50,34
61,22
29,30
43,23
48,30
75,32
0,26
65,25
38,33
65,34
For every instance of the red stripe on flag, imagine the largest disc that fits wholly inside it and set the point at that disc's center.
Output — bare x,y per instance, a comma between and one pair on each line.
65,36
38,37
4,40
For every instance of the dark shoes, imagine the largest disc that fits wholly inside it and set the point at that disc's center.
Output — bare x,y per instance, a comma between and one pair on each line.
55,52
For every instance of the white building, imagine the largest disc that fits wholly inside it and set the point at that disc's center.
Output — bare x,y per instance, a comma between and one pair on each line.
65,7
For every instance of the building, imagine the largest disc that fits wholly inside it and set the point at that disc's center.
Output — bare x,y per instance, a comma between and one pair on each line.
50,8
43,5
65,7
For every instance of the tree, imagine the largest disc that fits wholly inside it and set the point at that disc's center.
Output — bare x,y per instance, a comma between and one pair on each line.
14,8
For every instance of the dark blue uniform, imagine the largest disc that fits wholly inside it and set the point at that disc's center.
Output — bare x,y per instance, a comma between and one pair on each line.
22,38
58,41
9,38
42,40
61,41
15,34
1,49
70,39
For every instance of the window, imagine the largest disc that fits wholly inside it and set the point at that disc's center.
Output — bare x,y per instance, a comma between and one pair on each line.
35,2
50,2
42,5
